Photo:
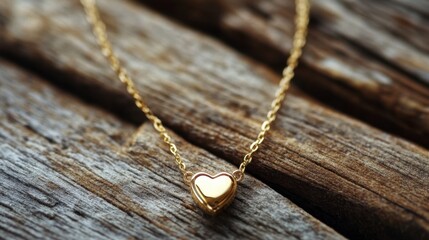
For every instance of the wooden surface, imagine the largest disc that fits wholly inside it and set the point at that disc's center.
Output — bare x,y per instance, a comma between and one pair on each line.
367,58
359,180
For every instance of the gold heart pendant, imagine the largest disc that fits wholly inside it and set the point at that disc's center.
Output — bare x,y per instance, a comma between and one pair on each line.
213,193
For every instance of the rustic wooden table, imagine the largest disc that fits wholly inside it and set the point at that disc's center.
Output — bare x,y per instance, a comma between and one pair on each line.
346,158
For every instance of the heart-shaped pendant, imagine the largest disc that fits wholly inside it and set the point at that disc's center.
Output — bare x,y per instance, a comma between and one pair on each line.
213,193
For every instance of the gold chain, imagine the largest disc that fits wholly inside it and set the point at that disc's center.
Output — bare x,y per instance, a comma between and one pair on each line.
99,29
301,22
301,25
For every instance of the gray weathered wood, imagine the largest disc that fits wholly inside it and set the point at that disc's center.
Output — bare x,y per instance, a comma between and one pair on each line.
359,179
367,58
71,171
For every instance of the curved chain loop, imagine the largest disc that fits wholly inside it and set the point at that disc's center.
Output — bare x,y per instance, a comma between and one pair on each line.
301,23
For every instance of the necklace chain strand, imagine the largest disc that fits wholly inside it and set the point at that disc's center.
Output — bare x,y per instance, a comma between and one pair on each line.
301,25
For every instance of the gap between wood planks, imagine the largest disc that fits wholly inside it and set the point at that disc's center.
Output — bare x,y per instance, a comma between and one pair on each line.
357,59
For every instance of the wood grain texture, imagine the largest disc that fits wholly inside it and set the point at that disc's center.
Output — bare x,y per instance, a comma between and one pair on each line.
368,58
362,181
71,171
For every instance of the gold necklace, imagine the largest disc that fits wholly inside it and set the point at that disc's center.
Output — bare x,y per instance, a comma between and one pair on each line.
211,193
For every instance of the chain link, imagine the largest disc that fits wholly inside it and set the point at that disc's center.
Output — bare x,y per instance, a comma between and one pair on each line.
301,23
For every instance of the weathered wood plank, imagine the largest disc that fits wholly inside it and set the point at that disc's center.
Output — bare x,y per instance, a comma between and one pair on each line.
361,180
367,58
66,172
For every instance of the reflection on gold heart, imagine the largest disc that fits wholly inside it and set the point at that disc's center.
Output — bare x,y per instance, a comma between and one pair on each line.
212,193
